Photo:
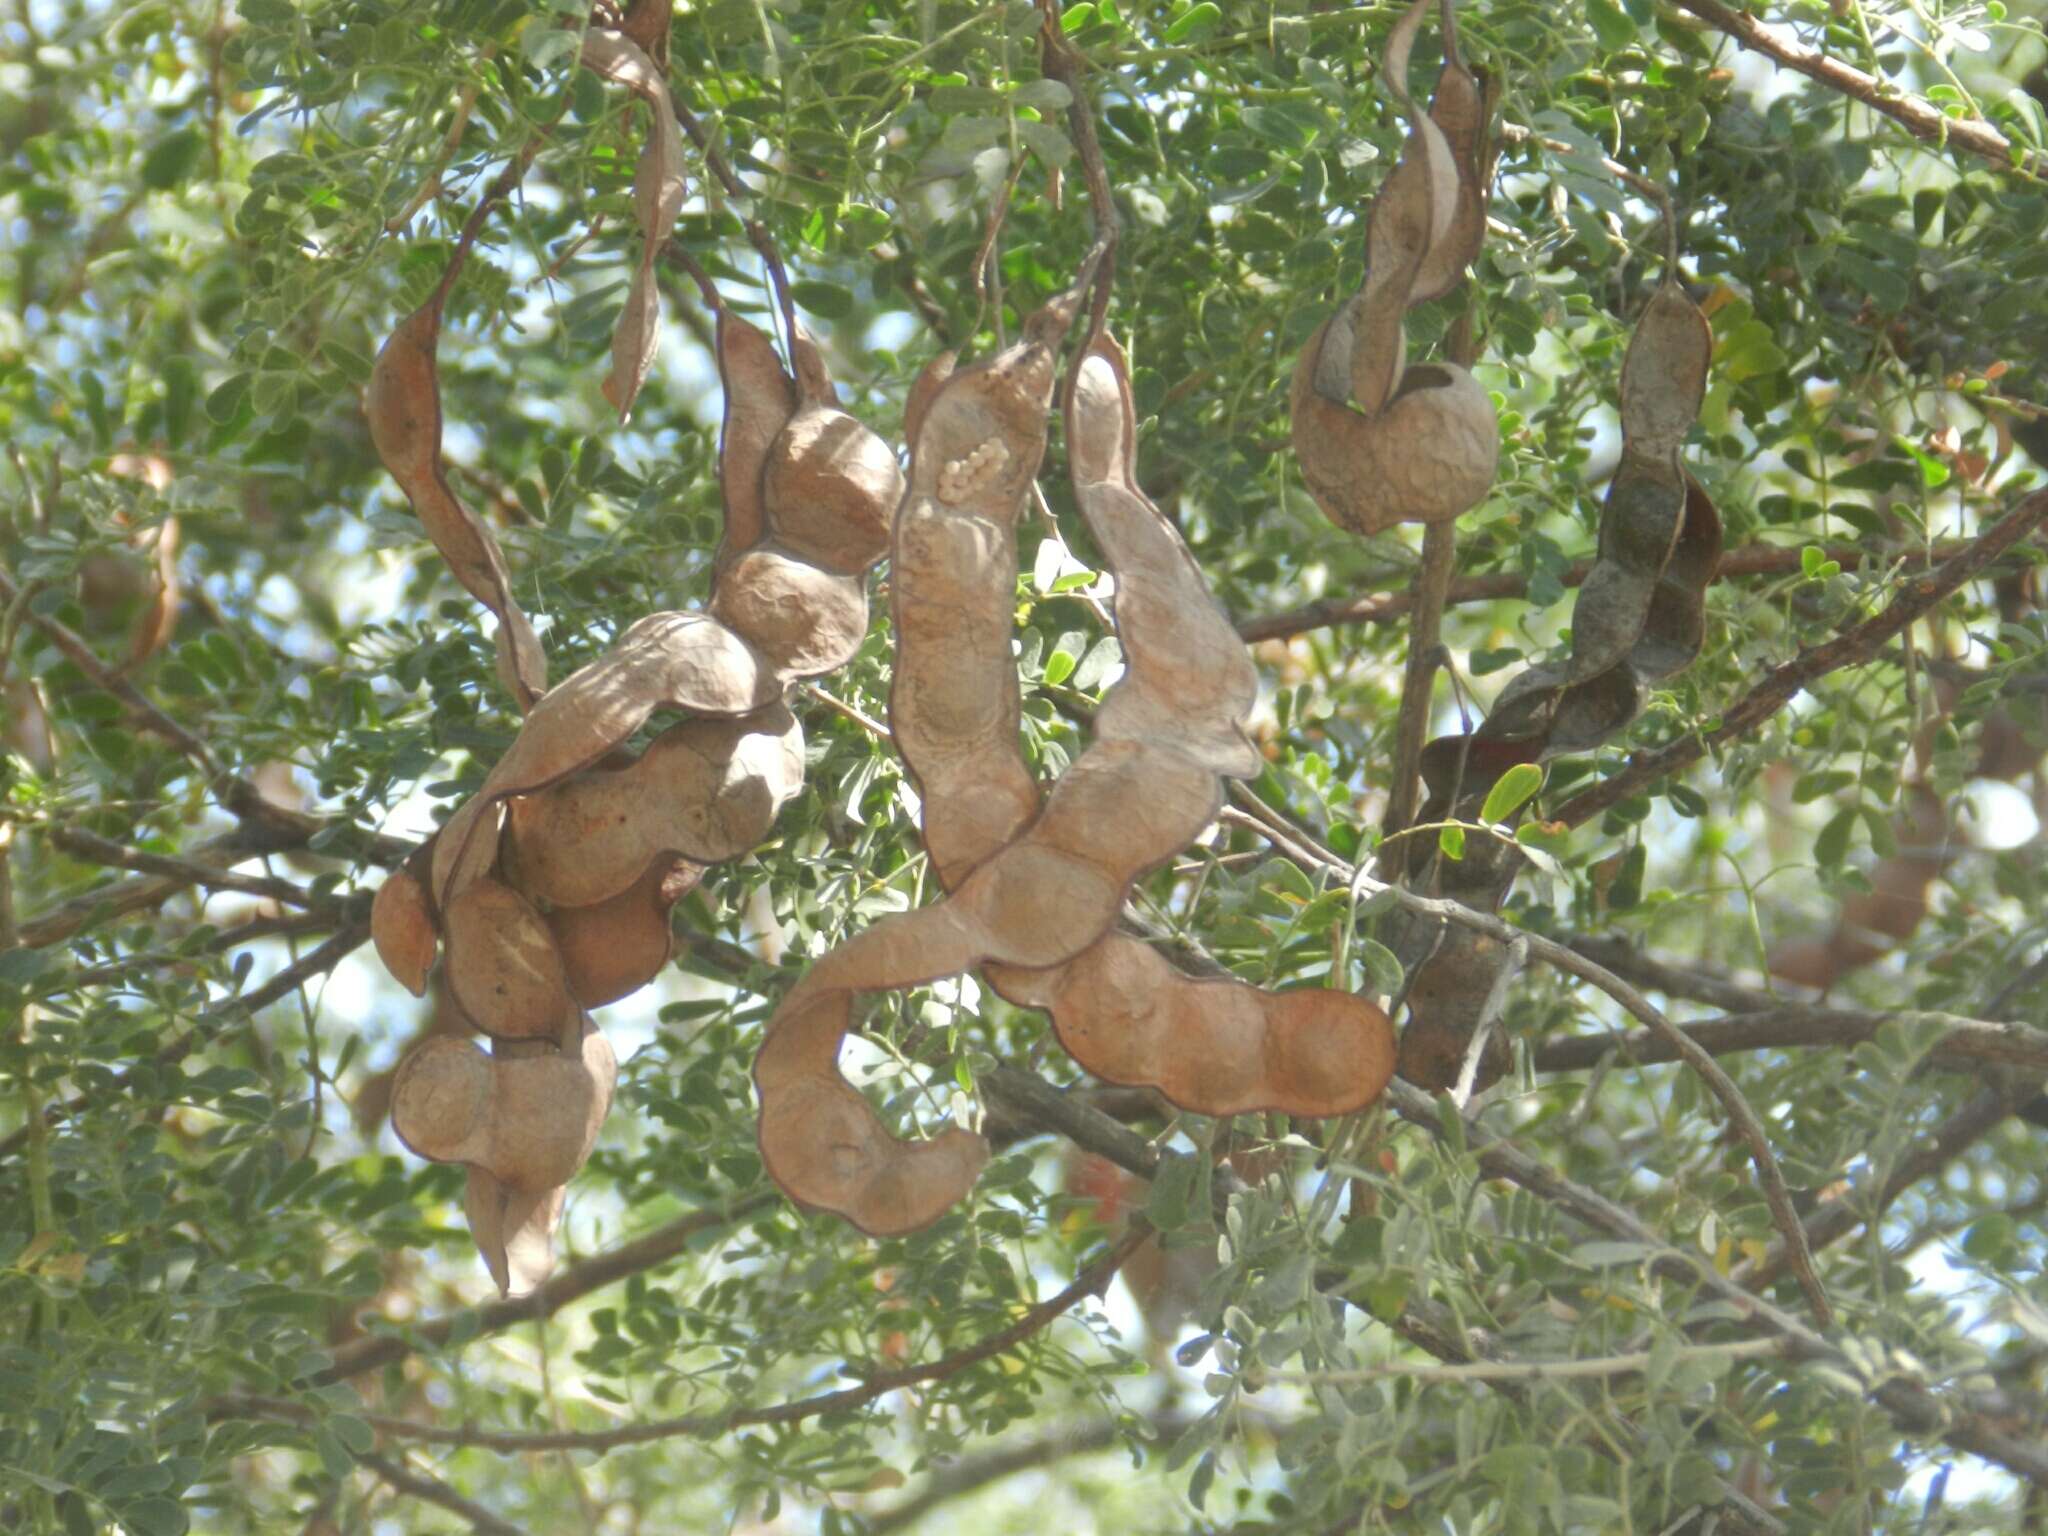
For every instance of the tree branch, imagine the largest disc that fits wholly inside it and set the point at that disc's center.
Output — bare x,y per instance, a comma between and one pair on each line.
94,849
657,1247
1092,1281
1781,685
1392,607
1967,1043
432,1490
1918,117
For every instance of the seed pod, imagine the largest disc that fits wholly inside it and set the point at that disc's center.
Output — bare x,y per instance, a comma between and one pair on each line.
707,789
403,405
1034,890
1380,441
402,928
658,187
503,968
1639,617
615,947
831,486
529,1120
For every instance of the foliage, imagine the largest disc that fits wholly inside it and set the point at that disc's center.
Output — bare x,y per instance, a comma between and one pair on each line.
225,1293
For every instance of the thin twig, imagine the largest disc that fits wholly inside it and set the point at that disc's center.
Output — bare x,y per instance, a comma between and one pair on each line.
1737,1108
840,707
1529,1370
432,1490
1092,1281
1744,560
95,849
1967,1042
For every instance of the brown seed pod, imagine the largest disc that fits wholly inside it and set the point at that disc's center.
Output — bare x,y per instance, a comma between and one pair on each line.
658,186
402,927
684,661
529,1120
503,969
1640,617
514,1230
831,486
403,405
615,947
801,619
1035,889
707,789
819,1138
1381,442
1215,1047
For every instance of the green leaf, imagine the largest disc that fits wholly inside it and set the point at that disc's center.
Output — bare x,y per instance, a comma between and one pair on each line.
1610,24
1832,846
164,1517
1195,24
1451,840
1382,967
828,301
171,160
1511,791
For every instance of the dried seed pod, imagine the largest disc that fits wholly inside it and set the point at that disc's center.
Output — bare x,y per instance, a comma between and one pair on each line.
1381,442
615,947
831,486
503,969
403,404
707,789
658,186
529,1120
1215,1047
803,621
1032,897
514,1230
1639,617
684,661
760,400
819,1138
402,928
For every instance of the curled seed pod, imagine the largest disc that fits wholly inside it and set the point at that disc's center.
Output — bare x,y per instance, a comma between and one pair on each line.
831,486
802,620
1177,716
707,789
682,661
529,1120
615,947
1381,442
503,968
1032,897
403,405
658,186
402,928
819,1138
1640,617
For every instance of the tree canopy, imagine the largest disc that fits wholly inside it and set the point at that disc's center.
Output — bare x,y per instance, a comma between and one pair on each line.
1675,793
